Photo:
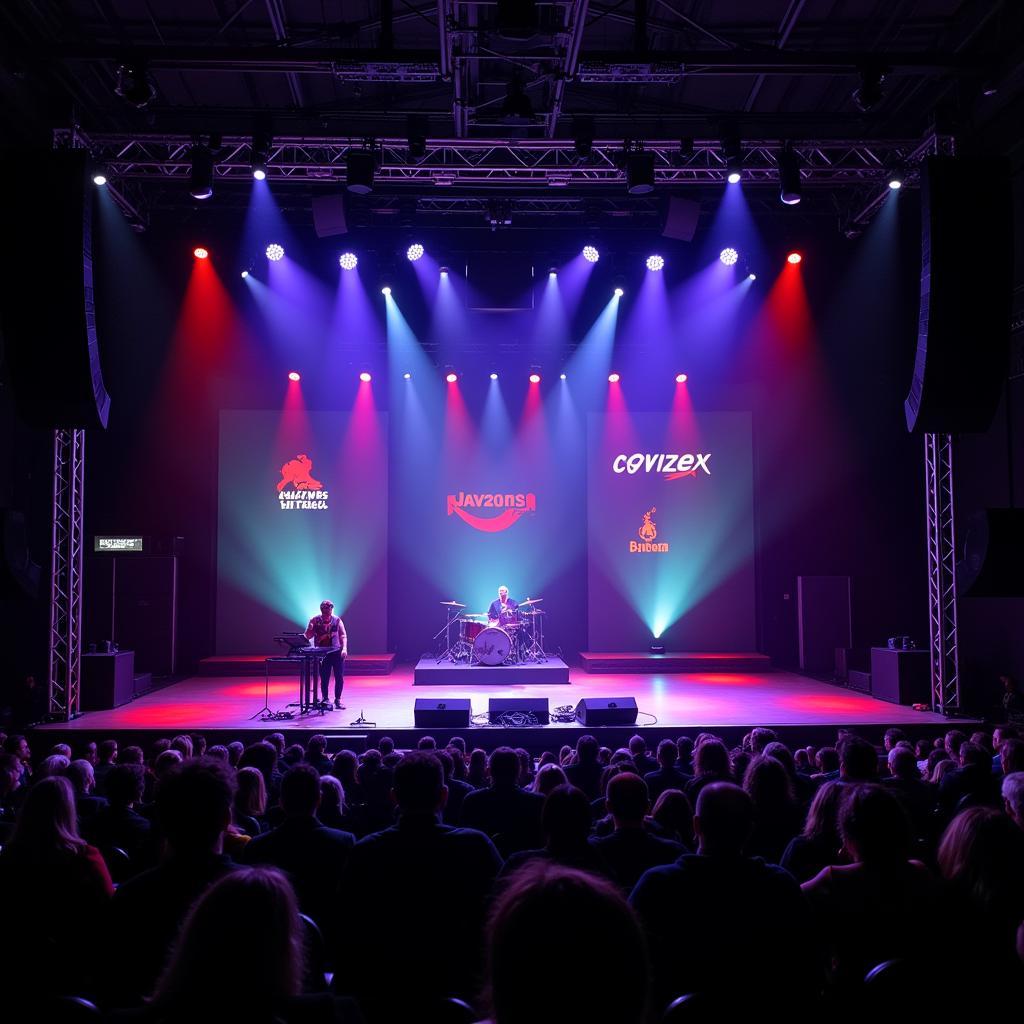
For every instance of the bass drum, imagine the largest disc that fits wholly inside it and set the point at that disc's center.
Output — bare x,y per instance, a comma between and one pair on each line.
492,646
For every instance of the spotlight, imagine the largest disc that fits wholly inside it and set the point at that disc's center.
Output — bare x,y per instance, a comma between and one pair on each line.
732,152
561,376
517,108
259,172
360,167
639,173
655,262
868,94
751,276
365,377
201,175
590,253
733,177
294,376
99,178
729,256
552,271
385,289
134,84
406,376
348,261
613,378
794,258
275,252
200,253
534,378
789,176
895,181
245,274
619,291
451,376
494,376
681,378
414,252
444,271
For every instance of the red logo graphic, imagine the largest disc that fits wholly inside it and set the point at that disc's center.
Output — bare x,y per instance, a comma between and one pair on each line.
513,507
298,474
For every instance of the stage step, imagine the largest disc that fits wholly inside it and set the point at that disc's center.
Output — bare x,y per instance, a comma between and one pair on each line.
253,665
674,661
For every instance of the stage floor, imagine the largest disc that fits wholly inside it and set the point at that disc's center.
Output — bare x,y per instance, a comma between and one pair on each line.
727,701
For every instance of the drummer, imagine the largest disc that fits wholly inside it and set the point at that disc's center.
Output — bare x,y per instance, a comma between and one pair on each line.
504,611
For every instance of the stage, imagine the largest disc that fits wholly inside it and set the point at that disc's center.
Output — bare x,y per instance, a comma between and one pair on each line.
803,710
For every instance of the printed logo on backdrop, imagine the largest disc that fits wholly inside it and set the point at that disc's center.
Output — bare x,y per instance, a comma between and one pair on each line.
671,466
648,534
497,511
298,488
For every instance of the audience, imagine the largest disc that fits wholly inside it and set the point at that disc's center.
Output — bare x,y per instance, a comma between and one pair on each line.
584,770
508,814
819,844
118,825
777,815
668,774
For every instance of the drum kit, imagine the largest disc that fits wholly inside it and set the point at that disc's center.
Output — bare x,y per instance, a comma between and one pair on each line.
471,639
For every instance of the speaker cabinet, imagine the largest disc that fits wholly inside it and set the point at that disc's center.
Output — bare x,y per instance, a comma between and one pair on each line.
901,677
449,713
535,706
823,620
993,554
108,680
606,711
963,332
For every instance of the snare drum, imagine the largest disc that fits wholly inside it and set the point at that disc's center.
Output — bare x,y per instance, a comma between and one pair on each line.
470,630
492,646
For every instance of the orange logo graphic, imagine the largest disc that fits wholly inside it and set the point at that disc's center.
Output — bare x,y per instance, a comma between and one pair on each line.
298,474
648,534
512,506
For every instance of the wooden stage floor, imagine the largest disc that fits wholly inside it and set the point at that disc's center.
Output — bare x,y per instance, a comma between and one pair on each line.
725,701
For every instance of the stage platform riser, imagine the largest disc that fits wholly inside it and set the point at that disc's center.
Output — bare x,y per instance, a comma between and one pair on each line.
643,662
430,672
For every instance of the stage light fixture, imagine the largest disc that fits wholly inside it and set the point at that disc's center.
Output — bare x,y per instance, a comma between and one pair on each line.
494,376
535,378
733,177
639,173
451,376
729,256
275,252
201,173
360,168
259,172
751,277
365,377
681,378
134,84
348,261
552,271
868,93
406,376
732,153
613,378
561,376
619,291
591,254
99,178
655,262
385,289
444,271
895,181
294,376
794,258
200,253
583,136
789,176
414,252
245,274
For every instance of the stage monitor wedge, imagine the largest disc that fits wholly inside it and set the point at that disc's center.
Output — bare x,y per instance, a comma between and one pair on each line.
450,713
47,313
963,332
607,711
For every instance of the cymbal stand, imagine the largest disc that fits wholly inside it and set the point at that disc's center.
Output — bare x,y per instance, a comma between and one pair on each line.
451,648
535,650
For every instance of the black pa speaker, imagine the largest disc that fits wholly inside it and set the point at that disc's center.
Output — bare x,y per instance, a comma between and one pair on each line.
108,680
47,315
447,713
963,333
607,711
681,216
535,706
992,564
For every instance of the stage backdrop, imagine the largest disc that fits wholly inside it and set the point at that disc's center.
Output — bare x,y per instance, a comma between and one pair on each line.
303,513
670,531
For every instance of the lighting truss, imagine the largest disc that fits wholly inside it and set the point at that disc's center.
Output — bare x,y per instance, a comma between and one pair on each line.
64,690
942,607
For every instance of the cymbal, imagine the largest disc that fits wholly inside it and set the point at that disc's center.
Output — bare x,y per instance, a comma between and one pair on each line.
473,615
453,604
539,611
531,600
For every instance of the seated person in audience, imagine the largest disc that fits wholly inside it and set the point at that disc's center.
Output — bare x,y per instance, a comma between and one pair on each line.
697,912
584,770
565,822
952,742
1000,735
54,885
892,736
826,765
80,774
710,765
601,951
421,871
547,778
777,815
1013,797
509,815
668,774
311,855
333,811
672,818
241,957
10,785
819,844
630,850
17,746
804,788
457,789
375,783
193,810
971,784
250,803
858,760
1010,757
119,824
917,796
980,858
106,758
860,908
642,760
